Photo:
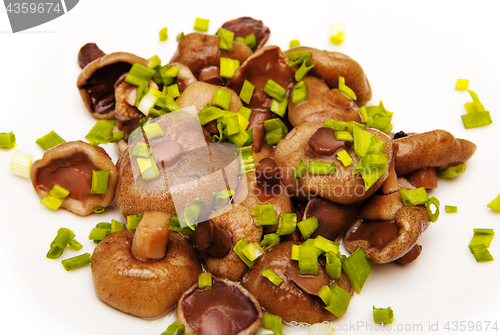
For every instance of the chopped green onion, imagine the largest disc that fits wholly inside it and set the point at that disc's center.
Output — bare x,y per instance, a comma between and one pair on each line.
274,90
210,113
479,119
343,125
205,280
450,209
432,215
307,227
345,89
232,126
371,167
413,197
321,168
175,328
264,215
75,244
100,132
269,241
303,70
344,157
173,91
105,225
154,62
225,39
383,316
294,43
247,162
228,66
377,117
326,245
333,265
308,260
295,252
7,140
140,75
152,130
179,36
248,40
148,101
163,34
77,261
238,249
57,246
343,135
55,197
116,137
481,253
272,322
48,141
275,130
273,277
337,33
299,93
357,268
241,139
201,24
482,236
325,294
279,108
177,224
495,204
339,301
476,105
133,221
116,226
362,141
222,198
20,164
462,84
246,112
141,150
453,171
99,233
287,223
148,168
192,212
298,56
99,181
300,170
222,98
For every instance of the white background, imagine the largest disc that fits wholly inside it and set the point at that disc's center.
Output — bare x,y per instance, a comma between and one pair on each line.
412,53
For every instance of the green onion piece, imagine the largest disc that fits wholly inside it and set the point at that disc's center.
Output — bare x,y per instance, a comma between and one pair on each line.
163,34
274,136
133,221
240,39
274,90
179,36
294,43
148,101
371,167
342,135
343,125
287,223
275,130
377,117
77,261
264,215
245,112
201,24
48,141
481,253
177,224
345,89
241,138
279,108
298,56
462,84
295,252
116,226
339,301
116,137
432,215
8,140
453,171
321,168
333,264
228,66
272,322
152,130
173,91
250,137
55,197
326,245
383,316
167,102
450,209
247,162
344,157
205,280
362,141
482,236
20,164
273,277
250,41
269,241
99,233
100,132
307,227
300,170
325,294
75,244
105,225
413,197
222,198
148,168
141,150
357,268
57,246
225,39
140,75
495,204
336,33
477,105
154,62
210,113
99,181
222,98
175,328
299,93
308,260
303,70
192,212
238,249
478,119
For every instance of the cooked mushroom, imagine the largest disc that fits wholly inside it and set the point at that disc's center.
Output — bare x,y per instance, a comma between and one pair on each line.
200,94
437,148
144,289
151,237
330,65
198,51
96,82
322,104
89,53
267,63
426,177
127,127
211,75
185,77
125,96
225,309
342,186
70,166
244,26
216,238
295,299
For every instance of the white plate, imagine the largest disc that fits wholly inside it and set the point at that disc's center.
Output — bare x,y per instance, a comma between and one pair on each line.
412,56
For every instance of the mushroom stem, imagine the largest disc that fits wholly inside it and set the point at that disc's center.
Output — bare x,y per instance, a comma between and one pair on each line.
151,237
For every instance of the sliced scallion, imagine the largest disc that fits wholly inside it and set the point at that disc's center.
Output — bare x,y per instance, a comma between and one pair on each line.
326,245
173,91
152,130
308,260
264,215
453,171
116,137
148,168
383,316
295,252
287,223
333,265
279,108
299,93
249,40
55,197
100,132
343,125
99,233
300,170
7,140
479,119
210,113
325,294
247,162
304,69
413,197
222,98
343,135
163,34
272,322
179,36
357,268
225,39
371,167
275,130
273,277
176,328
450,209
339,301
336,33
49,141
245,112
154,62
294,43
105,225
99,181
308,226
20,165
481,253
192,212
269,241
116,226
321,168
228,66
222,198
57,246
495,204
133,221
462,84
205,281
201,24
77,261
345,89
75,244
433,214
274,90
232,126
482,236
344,157
176,223
141,150
362,141
377,117
238,249
298,57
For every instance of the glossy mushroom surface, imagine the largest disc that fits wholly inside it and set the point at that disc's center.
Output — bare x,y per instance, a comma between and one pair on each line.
185,77
89,53
244,26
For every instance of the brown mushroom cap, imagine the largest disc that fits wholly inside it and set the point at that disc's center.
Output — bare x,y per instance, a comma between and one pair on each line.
198,51
341,187
200,94
244,26
147,290
70,166
89,53
225,309
437,148
185,77
322,104
330,65
288,300
102,73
